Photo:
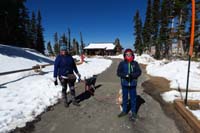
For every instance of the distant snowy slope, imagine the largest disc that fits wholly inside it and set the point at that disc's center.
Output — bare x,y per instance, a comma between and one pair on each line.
14,58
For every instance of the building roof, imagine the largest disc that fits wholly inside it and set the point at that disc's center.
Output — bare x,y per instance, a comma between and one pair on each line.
107,46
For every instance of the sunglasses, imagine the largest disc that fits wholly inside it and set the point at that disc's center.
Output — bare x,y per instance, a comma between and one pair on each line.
129,54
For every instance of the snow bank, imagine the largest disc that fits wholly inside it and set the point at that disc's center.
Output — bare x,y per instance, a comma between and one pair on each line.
25,95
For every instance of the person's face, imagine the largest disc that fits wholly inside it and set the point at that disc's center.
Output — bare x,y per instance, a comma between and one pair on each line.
63,52
128,54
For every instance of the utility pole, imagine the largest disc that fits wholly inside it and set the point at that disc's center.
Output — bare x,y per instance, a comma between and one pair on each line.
191,47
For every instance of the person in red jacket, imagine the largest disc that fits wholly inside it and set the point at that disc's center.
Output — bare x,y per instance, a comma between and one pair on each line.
128,71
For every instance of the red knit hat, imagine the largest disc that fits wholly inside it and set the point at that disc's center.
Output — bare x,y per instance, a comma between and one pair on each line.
128,50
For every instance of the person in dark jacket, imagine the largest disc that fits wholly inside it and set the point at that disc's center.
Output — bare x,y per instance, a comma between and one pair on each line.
64,68
128,71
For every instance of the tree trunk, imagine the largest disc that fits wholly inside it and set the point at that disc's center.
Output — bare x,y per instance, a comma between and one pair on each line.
180,49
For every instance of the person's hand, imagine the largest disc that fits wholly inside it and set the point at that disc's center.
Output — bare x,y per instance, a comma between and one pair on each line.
55,81
130,75
79,77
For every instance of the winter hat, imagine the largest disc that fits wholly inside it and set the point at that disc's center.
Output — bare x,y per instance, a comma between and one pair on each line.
63,48
128,50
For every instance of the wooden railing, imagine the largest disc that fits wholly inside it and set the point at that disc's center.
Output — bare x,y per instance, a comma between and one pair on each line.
35,68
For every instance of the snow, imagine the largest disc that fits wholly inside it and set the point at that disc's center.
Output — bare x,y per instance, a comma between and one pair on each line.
170,96
25,95
143,59
176,72
117,57
10,57
107,46
195,113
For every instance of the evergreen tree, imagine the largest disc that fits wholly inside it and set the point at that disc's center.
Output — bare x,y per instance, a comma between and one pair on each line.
82,44
147,29
75,50
181,11
49,49
164,31
64,40
69,41
197,29
40,39
56,44
25,23
33,31
155,25
5,19
118,46
22,31
139,47
12,22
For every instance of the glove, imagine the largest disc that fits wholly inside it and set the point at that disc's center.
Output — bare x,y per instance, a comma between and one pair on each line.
130,75
79,77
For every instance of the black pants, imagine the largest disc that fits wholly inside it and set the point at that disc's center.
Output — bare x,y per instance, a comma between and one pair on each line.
64,83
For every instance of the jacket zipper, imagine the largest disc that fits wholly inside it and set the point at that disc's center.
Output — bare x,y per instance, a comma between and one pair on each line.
129,74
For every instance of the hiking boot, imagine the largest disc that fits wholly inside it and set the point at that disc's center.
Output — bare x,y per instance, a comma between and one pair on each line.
133,117
122,114
75,103
66,104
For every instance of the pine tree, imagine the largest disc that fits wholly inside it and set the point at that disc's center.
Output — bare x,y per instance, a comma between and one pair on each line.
69,41
155,25
139,47
147,29
164,30
118,46
197,30
26,25
22,31
181,11
12,22
49,49
40,39
82,44
33,31
75,44
5,16
64,40
56,44
77,48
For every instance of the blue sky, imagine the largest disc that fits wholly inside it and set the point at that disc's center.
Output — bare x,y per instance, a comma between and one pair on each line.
98,20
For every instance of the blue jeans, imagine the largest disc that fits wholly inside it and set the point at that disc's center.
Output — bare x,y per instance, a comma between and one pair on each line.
132,92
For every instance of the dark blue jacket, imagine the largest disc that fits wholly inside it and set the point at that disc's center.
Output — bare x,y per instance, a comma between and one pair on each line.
63,65
132,69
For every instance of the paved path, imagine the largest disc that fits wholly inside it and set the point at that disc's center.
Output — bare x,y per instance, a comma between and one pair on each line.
98,114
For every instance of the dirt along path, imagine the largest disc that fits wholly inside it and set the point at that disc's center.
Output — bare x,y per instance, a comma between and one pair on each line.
98,113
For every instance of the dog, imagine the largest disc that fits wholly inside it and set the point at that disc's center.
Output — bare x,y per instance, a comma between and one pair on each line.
90,84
